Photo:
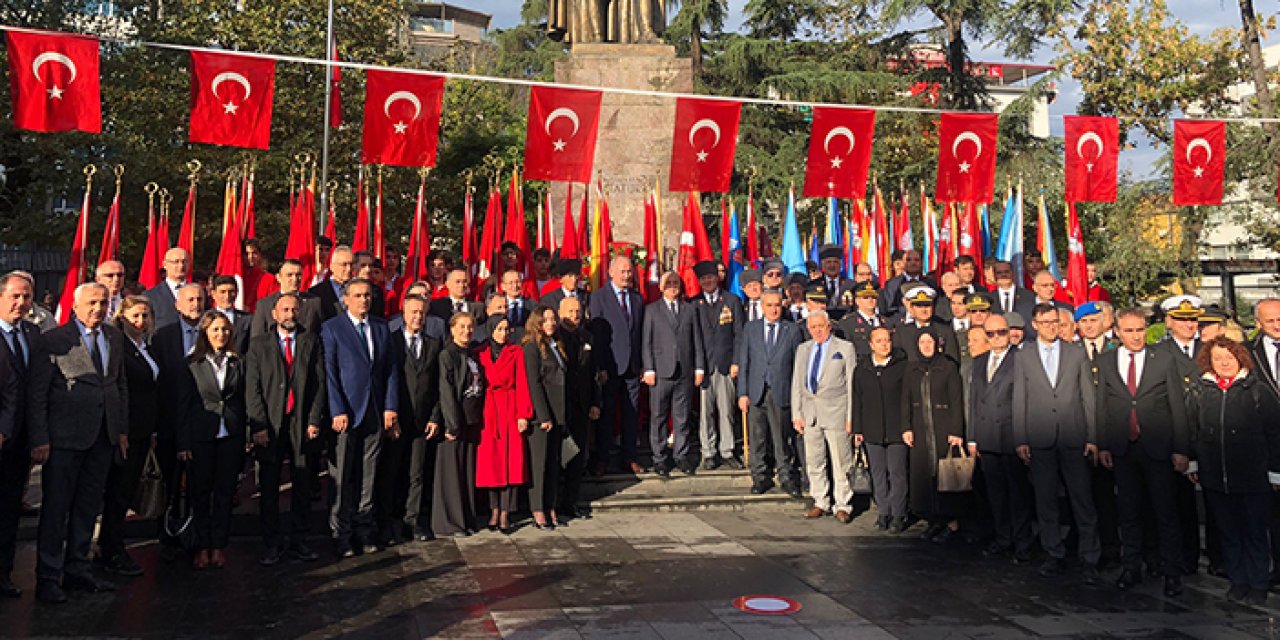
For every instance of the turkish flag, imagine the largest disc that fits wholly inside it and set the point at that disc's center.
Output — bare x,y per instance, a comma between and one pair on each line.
1093,152
1199,154
1077,263
560,143
695,246
53,80
231,99
967,157
401,118
839,153
702,149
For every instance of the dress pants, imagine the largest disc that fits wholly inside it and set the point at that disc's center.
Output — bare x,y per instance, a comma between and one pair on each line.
422,468
391,485
74,483
1242,520
1104,502
122,483
212,476
353,465
719,419
167,456
772,442
829,450
621,397
1067,468
1010,496
889,478
670,398
14,465
271,462
1142,480
544,462
1184,496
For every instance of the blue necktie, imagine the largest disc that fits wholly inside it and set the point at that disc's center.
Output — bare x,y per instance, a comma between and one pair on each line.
813,369
364,336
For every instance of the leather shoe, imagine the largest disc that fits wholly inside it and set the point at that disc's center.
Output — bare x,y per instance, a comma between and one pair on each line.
200,560
710,464
122,564
1051,568
635,467
931,531
49,591
793,491
686,468
1256,597
217,559
270,558
758,488
86,582
662,469
815,512
898,525
1089,575
424,536
1172,586
8,589
1021,557
946,535
1237,592
733,463
1128,578
844,517
994,549
301,552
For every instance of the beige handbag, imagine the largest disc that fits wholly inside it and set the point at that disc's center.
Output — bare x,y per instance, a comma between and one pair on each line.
955,473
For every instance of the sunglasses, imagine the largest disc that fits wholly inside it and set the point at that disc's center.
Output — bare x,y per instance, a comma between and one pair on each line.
773,274
991,333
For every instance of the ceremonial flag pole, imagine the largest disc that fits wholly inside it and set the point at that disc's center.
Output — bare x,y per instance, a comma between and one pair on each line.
328,112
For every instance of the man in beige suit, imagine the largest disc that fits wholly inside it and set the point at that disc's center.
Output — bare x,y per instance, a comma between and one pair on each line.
821,387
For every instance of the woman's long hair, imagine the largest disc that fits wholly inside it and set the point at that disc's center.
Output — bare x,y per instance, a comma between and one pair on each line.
203,347
533,330
128,303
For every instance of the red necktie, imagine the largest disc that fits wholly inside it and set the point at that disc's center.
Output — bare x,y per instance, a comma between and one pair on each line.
1134,431
288,370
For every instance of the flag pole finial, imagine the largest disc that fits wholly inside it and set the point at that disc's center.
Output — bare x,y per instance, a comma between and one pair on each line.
193,170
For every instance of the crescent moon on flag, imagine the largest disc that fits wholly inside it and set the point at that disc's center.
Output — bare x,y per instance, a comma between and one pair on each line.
562,112
967,136
838,131
407,97
233,76
705,123
53,56
1200,142
1089,137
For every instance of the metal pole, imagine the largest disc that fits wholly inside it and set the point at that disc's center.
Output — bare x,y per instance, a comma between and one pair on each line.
324,146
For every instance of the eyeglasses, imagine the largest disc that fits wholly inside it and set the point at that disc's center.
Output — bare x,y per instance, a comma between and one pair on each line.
991,333
773,274
1047,323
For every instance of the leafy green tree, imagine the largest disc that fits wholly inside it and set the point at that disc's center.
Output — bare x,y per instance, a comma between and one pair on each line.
686,29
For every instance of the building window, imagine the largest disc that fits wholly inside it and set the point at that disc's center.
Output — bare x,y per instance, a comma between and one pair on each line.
431,25
104,8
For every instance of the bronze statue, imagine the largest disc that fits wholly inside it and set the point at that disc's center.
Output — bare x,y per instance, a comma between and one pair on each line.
613,21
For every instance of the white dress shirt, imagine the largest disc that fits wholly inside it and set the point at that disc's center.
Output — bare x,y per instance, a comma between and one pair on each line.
368,331
219,365
1122,364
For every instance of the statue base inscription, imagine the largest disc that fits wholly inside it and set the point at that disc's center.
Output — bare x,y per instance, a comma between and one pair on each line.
633,149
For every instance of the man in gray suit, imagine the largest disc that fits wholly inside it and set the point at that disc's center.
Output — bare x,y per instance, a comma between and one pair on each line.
78,406
671,356
821,389
1055,430
765,357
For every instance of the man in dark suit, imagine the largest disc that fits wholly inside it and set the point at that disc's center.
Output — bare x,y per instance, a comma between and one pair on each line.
519,308
367,266
223,294
1055,431
766,357
856,325
991,439
891,306
582,399
285,399
78,406
363,394
569,273
1266,352
1045,288
177,264
831,261
721,317
417,356
794,307
1009,296
456,302
329,291
1144,432
289,277
906,332
17,292
617,316
1094,340
671,353
432,326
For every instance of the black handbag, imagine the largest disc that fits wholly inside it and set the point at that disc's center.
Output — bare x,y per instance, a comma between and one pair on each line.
179,516
860,474
149,500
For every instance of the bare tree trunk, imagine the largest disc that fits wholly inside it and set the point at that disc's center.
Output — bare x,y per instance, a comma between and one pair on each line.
1257,65
956,66
695,49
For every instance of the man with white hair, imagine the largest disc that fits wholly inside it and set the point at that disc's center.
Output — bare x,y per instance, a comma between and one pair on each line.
110,274
821,386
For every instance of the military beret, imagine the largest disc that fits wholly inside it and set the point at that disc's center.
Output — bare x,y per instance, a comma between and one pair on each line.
750,275
706,268
830,251
1087,309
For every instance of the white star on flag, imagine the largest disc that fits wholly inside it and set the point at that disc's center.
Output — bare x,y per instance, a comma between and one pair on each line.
1199,171
230,108
702,156
401,127
836,162
558,145
964,167
55,93
1088,167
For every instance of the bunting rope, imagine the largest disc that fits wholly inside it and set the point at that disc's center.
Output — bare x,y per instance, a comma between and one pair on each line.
342,64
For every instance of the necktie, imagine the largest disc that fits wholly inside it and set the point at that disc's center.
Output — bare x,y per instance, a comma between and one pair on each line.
1275,366
415,346
671,304
514,310
1187,350
622,302
94,353
189,339
288,371
571,294
1008,304
364,335
1132,382
993,363
773,334
18,350
813,368
755,309
1093,351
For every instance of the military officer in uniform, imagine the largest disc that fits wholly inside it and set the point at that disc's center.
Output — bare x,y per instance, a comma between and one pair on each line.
856,326
918,299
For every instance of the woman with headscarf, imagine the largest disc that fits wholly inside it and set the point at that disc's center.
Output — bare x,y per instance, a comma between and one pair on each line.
501,457
933,411
453,489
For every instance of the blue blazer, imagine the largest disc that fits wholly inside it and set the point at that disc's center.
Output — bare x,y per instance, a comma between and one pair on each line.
614,341
759,367
357,384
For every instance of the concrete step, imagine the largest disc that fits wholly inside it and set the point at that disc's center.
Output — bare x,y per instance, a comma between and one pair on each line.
719,490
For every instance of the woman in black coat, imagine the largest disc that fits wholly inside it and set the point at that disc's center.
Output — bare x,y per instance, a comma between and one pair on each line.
212,437
933,410
546,368
453,502
140,371
1236,448
877,425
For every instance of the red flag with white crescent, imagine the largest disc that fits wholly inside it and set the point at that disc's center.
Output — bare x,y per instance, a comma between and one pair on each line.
231,99
401,118
839,153
560,139
695,246
705,138
967,157
1199,161
1092,157
1077,262
53,79
76,262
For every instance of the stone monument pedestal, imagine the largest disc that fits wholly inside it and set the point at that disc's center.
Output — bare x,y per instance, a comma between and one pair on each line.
633,148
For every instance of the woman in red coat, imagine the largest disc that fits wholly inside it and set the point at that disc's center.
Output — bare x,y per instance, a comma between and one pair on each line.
501,465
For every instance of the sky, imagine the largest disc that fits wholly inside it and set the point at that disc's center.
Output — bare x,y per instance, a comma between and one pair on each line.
1201,16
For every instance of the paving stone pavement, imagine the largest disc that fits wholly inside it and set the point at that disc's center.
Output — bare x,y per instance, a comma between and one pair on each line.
635,575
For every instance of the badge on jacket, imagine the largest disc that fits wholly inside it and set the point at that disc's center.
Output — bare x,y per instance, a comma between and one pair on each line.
726,316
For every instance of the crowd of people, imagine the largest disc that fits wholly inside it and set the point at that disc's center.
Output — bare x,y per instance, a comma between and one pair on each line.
425,409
